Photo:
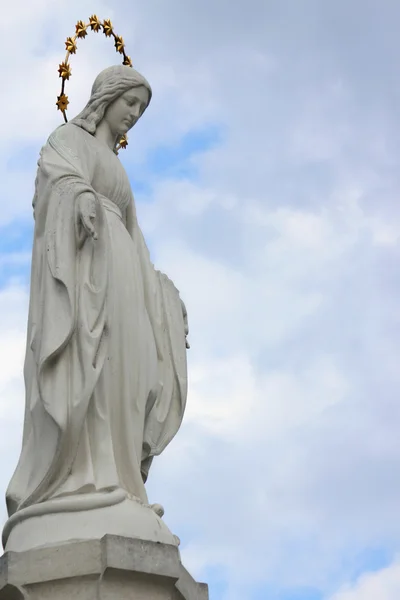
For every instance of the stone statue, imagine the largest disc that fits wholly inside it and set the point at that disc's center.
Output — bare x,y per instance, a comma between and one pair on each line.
105,368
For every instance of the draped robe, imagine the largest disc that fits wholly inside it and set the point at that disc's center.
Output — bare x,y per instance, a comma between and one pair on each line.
105,368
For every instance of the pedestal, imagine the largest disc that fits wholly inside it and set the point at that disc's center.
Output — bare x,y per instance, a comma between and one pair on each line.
113,568
61,520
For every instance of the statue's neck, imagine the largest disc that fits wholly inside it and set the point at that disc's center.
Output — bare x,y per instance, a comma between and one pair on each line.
105,135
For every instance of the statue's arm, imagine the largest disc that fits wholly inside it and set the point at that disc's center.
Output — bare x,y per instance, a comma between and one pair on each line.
79,163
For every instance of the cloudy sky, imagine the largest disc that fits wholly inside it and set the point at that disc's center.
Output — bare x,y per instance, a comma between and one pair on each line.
266,174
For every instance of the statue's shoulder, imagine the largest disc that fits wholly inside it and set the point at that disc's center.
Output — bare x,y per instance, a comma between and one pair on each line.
66,132
70,139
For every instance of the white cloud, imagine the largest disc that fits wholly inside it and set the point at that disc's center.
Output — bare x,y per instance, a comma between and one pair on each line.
384,584
286,441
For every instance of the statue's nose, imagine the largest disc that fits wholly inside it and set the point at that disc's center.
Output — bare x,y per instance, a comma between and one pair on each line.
136,111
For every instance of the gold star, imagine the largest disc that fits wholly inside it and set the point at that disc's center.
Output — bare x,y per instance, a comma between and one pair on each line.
70,45
81,29
127,61
107,27
95,23
123,142
62,102
119,44
64,70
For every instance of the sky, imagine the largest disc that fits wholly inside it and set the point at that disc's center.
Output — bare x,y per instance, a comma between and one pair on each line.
266,176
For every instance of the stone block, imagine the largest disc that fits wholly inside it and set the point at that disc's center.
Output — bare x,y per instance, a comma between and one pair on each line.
113,568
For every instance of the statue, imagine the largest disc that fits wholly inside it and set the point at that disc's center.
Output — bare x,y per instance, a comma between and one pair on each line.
105,368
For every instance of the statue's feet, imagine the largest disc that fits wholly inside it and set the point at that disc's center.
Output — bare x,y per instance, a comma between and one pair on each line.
158,509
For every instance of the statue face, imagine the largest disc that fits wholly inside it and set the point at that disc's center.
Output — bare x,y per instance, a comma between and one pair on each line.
123,113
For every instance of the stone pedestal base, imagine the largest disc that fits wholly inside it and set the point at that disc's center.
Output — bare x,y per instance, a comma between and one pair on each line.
113,568
55,522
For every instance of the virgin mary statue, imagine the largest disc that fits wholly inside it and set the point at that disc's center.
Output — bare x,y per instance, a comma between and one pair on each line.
105,368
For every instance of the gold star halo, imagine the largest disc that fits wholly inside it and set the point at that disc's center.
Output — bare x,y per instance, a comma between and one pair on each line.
64,69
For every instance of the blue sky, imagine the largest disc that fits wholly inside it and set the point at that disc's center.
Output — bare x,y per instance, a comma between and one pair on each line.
266,174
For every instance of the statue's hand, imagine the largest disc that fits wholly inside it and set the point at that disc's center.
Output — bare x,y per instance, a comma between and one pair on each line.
87,214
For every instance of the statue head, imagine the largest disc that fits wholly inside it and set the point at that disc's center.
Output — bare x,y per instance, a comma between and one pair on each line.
120,94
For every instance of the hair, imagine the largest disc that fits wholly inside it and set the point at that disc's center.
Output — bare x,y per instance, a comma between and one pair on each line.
107,87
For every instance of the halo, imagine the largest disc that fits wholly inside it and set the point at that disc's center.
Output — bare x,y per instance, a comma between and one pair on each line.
64,68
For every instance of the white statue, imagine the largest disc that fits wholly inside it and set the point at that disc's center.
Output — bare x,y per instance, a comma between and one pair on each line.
105,368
